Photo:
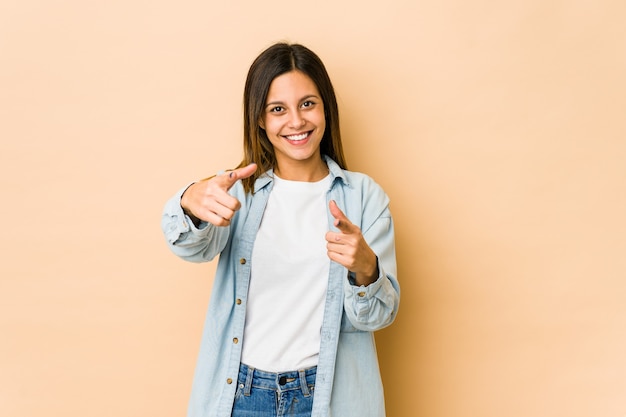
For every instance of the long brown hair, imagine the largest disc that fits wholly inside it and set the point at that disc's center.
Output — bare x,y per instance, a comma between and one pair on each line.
276,60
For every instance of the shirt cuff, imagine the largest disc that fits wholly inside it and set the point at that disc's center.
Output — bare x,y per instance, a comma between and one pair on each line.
365,292
178,224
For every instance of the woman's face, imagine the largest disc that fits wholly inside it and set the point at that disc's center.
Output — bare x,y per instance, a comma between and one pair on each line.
294,121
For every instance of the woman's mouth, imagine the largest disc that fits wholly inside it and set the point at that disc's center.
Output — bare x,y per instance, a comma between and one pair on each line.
298,138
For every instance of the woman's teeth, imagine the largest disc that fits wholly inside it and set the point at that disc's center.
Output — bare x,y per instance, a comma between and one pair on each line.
297,137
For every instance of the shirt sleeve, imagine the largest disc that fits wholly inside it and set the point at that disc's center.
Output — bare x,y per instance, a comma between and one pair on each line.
191,243
375,306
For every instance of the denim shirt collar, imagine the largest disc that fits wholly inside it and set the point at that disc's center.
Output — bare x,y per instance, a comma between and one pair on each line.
336,173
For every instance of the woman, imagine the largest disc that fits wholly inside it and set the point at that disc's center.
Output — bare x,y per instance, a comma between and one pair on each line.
307,267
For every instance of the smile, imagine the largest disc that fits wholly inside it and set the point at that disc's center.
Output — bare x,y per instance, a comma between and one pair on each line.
298,137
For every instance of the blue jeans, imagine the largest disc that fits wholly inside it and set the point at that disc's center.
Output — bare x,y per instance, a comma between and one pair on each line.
268,394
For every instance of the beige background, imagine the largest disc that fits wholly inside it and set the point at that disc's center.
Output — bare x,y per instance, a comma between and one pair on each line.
497,129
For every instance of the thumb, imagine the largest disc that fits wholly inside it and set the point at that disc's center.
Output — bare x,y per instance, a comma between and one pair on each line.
231,177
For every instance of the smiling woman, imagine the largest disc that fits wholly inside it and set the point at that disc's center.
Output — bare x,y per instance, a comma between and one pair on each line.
307,264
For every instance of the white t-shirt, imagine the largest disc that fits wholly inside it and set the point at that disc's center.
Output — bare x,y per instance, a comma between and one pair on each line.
289,279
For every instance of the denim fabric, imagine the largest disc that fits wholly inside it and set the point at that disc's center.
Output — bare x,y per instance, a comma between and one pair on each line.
268,394
348,382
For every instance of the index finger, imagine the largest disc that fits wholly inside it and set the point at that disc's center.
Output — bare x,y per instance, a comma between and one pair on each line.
341,221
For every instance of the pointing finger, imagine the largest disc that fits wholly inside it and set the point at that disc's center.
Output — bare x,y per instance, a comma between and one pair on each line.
341,221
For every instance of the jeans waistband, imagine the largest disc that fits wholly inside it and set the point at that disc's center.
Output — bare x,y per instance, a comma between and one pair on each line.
303,379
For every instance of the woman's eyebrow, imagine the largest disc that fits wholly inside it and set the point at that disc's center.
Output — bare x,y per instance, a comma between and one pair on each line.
308,96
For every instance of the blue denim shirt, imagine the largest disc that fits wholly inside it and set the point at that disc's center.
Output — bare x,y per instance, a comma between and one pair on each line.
348,380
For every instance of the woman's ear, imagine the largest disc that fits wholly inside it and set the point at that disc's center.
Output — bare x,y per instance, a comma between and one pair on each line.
261,123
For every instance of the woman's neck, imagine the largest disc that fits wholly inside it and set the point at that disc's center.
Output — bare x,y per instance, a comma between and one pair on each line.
305,171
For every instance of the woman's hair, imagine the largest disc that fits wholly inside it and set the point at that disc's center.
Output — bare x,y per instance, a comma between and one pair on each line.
276,60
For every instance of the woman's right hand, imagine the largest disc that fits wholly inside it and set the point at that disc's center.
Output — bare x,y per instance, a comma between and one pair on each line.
209,200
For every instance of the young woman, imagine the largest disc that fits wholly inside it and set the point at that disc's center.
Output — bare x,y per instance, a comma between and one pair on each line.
307,265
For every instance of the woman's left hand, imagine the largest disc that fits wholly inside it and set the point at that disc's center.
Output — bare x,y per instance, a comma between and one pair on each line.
349,248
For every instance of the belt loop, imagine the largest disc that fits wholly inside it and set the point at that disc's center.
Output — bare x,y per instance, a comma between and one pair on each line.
248,387
303,384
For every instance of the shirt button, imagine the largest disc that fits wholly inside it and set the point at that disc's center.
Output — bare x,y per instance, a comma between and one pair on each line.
361,294
235,340
242,261
229,381
238,301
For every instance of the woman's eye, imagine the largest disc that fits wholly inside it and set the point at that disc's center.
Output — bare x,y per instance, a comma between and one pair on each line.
276,109
307,104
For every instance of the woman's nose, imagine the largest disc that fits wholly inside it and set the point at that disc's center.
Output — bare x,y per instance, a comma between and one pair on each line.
296,121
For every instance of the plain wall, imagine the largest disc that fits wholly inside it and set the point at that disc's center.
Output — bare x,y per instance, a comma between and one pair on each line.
497,129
